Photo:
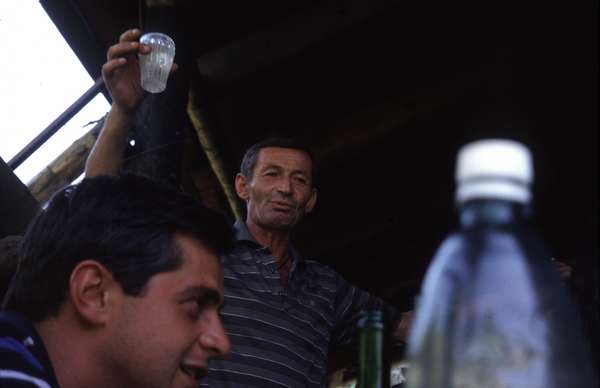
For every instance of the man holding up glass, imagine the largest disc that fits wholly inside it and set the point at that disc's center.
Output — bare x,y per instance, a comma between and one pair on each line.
282,311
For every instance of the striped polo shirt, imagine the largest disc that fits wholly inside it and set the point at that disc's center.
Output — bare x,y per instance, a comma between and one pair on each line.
281,335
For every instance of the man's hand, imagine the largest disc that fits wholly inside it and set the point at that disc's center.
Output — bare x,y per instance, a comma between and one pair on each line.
564,270
121,72
402,330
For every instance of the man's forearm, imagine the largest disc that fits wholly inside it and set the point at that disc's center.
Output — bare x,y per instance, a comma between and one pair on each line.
107,155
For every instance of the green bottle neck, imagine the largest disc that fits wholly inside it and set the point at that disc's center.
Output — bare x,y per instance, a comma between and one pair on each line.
370,363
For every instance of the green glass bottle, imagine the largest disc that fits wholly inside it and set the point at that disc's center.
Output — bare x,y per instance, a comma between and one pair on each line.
370,362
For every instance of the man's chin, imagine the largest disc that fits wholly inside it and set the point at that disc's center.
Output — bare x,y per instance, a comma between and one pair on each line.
281,223
280,226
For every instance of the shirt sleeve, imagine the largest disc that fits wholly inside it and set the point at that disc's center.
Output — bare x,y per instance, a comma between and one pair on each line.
349,302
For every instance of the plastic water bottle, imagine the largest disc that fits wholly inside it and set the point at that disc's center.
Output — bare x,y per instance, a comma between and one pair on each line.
370,353
493,312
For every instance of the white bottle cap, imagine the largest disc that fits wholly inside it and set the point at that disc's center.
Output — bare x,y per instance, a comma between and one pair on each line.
494,168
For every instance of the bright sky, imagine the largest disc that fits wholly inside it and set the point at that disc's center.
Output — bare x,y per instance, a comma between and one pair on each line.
40,77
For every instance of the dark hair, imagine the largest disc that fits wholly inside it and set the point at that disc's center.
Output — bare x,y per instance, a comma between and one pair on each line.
9,258
127,223
251,155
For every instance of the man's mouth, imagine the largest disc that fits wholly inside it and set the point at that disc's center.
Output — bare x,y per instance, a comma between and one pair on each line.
283,205
195,372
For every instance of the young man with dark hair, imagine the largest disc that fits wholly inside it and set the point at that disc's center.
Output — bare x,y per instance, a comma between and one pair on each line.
282,312
118,285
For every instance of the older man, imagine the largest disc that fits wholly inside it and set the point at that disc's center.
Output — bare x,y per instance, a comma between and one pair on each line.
282,312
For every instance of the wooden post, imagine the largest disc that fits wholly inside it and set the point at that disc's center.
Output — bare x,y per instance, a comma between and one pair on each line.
213,156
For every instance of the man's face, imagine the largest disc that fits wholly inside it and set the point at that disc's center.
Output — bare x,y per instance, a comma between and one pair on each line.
280,191
165,336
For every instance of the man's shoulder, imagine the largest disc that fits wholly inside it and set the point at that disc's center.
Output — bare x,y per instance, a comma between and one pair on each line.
315,272
319,267
19,367
240,253
15,355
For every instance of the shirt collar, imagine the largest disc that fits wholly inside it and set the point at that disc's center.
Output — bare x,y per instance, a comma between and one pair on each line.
243,234
21,329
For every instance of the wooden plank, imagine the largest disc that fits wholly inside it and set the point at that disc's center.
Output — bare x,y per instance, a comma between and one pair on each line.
213,156
65,168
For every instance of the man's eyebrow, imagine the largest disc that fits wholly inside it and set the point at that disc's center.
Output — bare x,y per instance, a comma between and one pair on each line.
278,167
207,295
300,172
271,165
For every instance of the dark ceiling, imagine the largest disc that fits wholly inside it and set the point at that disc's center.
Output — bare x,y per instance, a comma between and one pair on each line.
385,92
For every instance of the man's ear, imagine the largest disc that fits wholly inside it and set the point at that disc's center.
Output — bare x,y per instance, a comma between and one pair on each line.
89,290
241,186
310,205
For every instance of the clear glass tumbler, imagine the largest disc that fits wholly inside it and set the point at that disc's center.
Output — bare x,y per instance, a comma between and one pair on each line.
156,66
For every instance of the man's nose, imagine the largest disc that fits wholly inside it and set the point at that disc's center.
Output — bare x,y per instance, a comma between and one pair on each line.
284,186
214,338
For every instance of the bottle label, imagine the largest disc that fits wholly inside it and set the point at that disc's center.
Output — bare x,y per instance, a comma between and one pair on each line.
481,323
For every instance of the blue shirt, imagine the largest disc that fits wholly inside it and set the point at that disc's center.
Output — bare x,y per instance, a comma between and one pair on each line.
24,361
280,334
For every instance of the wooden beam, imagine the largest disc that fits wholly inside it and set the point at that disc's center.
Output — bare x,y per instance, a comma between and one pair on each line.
212,155
285,39
65,168
160,3
79,35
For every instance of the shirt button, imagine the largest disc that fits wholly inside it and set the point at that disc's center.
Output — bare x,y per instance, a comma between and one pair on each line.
28,342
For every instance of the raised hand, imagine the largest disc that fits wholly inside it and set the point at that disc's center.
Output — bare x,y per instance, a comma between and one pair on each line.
402,330
121,72
565,270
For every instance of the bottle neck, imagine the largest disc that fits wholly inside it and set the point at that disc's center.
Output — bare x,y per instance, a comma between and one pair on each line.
370,363
492,212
